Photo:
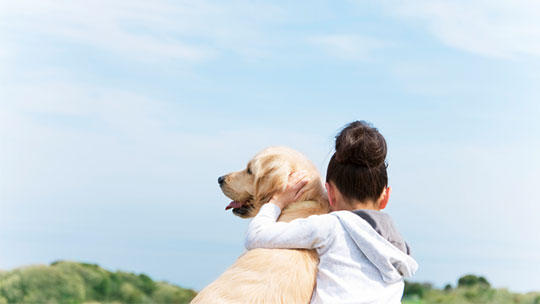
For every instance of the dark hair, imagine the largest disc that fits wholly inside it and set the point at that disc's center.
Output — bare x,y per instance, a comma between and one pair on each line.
358,167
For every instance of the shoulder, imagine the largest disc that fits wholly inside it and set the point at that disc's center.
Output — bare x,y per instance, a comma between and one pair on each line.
343,214
319,221
325,224
326,218
352,220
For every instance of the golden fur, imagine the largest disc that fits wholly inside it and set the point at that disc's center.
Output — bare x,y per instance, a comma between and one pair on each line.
270,275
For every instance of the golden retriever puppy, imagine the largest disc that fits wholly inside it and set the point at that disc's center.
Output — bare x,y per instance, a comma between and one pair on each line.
269,275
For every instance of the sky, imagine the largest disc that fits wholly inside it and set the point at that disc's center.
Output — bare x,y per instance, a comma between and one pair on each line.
117,117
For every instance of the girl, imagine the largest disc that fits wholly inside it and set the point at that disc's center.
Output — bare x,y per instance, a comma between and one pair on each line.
363,258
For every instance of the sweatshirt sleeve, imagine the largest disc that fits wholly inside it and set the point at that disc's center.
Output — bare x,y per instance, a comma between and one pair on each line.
306,233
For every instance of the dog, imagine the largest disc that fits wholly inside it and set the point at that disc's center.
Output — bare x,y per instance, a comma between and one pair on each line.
269,275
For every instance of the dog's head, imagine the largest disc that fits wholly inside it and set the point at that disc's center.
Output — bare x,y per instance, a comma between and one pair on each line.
264,175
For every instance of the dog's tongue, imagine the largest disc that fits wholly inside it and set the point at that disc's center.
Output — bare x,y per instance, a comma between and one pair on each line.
234,204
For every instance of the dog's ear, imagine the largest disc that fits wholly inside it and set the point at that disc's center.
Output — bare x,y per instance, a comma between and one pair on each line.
271,178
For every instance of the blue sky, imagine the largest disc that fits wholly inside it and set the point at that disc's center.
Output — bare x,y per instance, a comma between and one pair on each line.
117,117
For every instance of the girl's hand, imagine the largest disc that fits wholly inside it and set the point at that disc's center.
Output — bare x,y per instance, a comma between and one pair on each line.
293,190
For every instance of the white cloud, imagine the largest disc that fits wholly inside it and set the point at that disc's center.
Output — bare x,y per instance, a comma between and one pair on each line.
495,28
347,46
125,27
192,31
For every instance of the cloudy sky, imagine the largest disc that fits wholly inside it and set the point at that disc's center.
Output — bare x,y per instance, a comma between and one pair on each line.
117,117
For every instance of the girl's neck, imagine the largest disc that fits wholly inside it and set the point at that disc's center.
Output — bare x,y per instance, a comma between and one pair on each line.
355,205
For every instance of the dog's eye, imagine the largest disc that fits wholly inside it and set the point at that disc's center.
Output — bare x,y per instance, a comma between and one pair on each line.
249,171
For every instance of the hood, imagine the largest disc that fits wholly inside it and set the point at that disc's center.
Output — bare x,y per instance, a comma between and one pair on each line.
392,263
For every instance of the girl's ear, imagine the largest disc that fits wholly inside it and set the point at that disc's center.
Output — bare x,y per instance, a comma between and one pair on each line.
331,195
385,197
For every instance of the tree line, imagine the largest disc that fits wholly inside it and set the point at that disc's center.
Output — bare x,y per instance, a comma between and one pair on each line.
469,289
74,283
78,283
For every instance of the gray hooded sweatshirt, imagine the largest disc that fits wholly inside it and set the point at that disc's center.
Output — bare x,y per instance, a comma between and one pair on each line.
357,263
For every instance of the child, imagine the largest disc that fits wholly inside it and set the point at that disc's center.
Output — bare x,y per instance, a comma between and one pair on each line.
363,258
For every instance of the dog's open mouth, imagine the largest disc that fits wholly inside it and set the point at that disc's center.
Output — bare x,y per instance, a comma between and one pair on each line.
239,208
235,204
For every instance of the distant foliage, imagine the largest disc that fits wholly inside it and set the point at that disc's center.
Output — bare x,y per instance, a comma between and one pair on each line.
74,283
82,283
447,287
470,289
416,290
472,280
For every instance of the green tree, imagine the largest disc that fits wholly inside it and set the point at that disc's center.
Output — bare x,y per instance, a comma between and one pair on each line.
472,280
448,288
416,289
146,284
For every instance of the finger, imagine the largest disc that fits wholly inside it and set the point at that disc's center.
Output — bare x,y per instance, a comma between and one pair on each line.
298,186
301,191
294,179
297,177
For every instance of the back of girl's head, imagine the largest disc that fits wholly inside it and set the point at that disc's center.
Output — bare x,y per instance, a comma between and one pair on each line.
358,167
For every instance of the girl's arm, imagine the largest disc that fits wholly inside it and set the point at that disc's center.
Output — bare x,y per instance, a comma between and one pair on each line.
264,231
308,233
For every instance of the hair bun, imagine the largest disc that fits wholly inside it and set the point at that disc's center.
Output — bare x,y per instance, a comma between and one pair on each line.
361,144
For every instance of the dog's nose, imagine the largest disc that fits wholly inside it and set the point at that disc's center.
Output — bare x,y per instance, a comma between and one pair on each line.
221,180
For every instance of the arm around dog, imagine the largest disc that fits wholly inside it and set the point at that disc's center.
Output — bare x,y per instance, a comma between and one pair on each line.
305,233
